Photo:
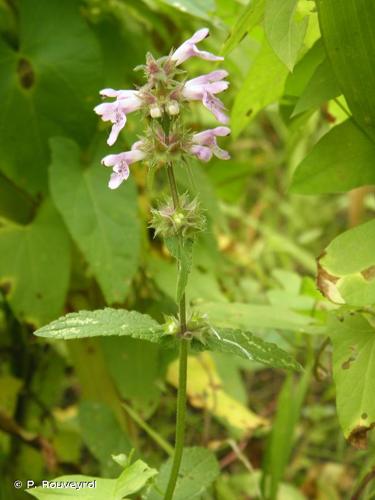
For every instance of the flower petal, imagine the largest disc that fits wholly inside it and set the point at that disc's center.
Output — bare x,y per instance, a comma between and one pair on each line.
203,153
216,107
116,180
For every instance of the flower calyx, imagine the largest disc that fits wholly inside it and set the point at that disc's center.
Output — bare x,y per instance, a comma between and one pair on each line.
186,220
197,327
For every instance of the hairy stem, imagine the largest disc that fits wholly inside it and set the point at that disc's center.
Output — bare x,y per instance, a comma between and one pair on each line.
182,379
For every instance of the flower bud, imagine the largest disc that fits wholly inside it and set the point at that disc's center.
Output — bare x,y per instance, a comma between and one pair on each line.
173,108
155,111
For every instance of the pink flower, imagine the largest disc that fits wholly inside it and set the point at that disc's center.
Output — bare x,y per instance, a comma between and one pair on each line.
205,144
189,49
120,164
203,88
115,112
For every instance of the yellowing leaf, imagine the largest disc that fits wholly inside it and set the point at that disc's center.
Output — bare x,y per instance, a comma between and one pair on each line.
205,390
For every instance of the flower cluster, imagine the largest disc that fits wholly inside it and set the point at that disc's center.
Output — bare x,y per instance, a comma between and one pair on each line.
161,100
187,219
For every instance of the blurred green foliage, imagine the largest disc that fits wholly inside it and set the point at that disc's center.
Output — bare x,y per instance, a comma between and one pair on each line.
302,115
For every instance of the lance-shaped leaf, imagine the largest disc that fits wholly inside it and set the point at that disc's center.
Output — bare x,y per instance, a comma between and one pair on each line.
283,31
353,340
103,322
248,346
342,160
321,88
347,28
346,270
247,20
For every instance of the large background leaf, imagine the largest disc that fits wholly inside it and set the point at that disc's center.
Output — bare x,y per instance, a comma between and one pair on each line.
32,256
103,223
49,87
353,340
348,34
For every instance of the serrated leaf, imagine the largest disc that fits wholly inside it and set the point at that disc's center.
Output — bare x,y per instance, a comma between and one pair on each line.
199,468
132,479
48,87
353,340
321,88
253,316
32,258
346,270
247,20
102,322
342,160
205,391
348,34
103,223
285,34
249,346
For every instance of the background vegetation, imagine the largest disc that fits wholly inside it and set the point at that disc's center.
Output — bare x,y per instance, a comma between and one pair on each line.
302,106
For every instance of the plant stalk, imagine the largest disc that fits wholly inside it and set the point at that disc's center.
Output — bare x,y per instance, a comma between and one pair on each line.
182,378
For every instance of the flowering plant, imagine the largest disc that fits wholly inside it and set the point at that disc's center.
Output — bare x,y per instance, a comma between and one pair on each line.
162,100
166,141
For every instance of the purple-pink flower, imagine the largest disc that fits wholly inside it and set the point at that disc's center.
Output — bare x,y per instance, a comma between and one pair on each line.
115,112
204,87
205,144
189,49
120,164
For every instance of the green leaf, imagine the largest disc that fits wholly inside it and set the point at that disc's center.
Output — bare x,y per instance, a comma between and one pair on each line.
263,85
132,479
253,316
346,272
353,340
247,20
347,27
103,223
135,369
285,34
304,70
48,87
183,253
35,266
93,418
102,488
342,160
248,346
102,322
321,88
195,8
199,468
281,440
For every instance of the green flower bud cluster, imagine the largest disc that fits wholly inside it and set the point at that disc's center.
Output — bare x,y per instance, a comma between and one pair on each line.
186,220
197,326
